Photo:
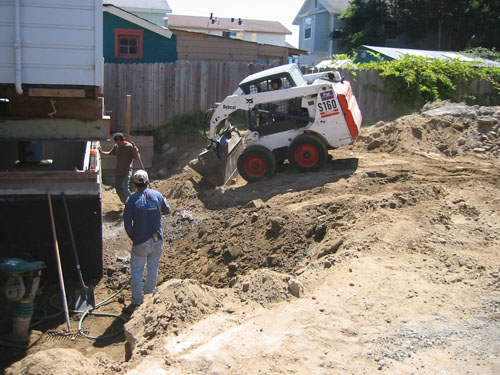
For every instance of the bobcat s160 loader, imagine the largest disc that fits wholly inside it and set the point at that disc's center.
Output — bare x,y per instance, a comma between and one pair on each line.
289,116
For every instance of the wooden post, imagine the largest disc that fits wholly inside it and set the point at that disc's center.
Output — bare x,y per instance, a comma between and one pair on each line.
127,117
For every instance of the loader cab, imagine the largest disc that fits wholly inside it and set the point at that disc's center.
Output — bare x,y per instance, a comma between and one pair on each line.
289,75
281,115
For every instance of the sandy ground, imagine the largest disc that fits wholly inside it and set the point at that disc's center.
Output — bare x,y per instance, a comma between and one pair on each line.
385,260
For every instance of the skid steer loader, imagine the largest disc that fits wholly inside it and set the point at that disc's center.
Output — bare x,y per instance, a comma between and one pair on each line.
289,116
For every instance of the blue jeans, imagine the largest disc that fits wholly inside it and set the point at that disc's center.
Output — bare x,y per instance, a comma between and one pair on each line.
148,253
122,186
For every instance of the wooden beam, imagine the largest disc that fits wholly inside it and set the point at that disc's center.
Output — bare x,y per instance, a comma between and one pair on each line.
51,129
48,176
44,107
127,117
59,93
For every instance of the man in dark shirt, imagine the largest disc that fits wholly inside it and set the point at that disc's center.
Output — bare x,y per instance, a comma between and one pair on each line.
125,153
142,221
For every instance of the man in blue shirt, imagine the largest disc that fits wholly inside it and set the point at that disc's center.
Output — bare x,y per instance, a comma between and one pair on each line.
142,220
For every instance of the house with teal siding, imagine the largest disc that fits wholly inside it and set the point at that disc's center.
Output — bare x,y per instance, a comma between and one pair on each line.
128,38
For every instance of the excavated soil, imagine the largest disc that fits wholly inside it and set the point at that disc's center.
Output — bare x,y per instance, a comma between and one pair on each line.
385,260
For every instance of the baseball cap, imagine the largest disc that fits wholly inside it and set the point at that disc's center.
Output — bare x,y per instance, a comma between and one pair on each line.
141,177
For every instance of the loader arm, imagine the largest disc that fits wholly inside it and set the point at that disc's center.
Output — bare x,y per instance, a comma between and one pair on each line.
247,102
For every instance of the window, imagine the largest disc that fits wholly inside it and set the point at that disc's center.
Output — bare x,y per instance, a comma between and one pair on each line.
238,34
308,28
390,30
272,61
128,43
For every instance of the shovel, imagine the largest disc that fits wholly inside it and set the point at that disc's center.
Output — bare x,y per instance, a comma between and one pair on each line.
58,259
84,297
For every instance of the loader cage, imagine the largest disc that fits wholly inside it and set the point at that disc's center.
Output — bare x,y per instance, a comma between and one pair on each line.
276,117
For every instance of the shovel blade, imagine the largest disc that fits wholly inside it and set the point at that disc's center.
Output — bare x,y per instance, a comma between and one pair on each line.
84,300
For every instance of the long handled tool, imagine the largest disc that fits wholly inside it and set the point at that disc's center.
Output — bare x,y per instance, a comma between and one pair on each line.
85,297
59,268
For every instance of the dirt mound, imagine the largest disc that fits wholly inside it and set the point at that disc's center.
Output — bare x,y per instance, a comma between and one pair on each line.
173,306
266,286
56,361
392,248
443,128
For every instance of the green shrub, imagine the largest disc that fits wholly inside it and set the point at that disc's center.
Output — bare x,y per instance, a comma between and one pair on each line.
190,124
415,80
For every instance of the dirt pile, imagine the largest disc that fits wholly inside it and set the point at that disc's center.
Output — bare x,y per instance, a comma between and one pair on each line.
444,128
175,305
62,362
385,260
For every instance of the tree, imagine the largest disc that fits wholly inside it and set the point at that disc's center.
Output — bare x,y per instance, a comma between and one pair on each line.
363,23
428,24
453,24
441,24
485,24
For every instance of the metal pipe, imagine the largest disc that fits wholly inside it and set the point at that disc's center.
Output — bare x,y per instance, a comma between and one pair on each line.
17,46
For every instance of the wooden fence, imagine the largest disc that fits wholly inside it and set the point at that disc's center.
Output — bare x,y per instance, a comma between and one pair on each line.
161,91
375,105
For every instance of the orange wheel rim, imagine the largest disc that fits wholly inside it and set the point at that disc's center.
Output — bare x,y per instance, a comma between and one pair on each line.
306,155
255,166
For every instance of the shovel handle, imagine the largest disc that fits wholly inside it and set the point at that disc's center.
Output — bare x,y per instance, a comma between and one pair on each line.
73,245
59,267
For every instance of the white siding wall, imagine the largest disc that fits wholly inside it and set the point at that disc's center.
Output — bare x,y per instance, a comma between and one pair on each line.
274,39
61,42
153,17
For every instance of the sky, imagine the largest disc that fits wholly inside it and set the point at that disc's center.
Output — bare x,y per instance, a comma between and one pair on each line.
283,11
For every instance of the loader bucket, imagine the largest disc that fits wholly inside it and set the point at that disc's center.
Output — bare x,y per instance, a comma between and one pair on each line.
218,164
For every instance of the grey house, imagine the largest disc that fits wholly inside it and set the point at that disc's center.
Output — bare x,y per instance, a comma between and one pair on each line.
317,19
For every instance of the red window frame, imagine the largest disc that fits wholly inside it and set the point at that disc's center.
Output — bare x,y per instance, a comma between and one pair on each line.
128,33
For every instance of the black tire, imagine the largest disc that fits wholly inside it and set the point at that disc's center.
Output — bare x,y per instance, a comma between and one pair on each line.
307,153
256,163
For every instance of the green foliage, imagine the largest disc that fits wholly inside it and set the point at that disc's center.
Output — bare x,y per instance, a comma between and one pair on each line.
485,53
424,24
415,80
363,24
191,124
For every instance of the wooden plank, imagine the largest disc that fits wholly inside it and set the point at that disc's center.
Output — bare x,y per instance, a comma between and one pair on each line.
49,129
172,91
150,100
127,115
79,108
161,94
203,86
59,93
48,176
156,103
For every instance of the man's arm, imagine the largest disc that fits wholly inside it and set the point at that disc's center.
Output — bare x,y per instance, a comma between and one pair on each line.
110,152
165,207
137,156
127,218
